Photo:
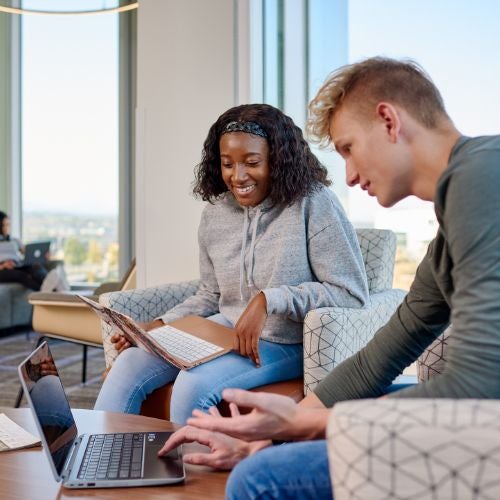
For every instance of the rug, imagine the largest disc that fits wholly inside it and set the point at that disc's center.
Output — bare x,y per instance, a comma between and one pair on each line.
68,357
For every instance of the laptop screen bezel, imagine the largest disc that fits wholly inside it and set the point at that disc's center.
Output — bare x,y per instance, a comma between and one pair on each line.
24,377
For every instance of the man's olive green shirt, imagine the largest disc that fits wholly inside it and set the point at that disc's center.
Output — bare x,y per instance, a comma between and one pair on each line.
458,281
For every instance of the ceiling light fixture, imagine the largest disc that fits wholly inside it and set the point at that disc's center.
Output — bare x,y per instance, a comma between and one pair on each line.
116,10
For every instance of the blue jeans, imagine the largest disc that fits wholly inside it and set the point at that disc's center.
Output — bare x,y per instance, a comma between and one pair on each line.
293,470
136,374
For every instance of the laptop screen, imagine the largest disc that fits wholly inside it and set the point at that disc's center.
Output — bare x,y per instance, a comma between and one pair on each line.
45,393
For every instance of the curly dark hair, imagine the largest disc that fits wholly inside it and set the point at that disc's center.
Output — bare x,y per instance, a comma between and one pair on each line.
295,171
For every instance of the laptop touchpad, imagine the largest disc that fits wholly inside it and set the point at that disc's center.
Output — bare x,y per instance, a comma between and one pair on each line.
170,465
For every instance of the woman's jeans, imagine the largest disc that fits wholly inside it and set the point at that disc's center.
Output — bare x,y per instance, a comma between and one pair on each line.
136,374
29,276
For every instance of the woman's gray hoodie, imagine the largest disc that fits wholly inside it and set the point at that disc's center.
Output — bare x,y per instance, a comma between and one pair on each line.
302,257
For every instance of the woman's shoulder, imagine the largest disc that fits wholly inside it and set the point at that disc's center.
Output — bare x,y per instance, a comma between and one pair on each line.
322,196
222,207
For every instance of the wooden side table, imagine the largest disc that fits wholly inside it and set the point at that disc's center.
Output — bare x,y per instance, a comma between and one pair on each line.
26,473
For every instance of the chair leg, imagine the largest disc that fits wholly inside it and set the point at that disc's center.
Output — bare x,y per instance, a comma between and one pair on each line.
84,364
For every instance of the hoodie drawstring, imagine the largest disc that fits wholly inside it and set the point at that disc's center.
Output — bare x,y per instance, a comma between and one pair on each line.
249,281
242,254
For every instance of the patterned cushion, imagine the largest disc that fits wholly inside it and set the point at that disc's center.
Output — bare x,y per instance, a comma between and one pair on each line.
415,448
432,361
332,334
378,247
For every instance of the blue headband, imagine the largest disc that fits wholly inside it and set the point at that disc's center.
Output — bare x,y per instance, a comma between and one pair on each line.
247,127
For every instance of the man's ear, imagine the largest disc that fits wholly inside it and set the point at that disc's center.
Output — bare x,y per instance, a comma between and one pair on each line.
391,119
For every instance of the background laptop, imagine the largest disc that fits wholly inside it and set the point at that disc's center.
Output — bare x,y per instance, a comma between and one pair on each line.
91,461
35,253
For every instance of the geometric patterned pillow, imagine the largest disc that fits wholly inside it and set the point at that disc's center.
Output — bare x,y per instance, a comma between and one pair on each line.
432,361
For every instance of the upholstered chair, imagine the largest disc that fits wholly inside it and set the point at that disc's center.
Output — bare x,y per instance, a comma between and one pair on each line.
330,334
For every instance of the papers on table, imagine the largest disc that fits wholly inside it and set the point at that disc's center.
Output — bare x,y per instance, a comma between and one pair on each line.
14,437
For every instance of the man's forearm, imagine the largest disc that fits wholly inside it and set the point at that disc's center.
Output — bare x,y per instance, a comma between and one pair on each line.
309,424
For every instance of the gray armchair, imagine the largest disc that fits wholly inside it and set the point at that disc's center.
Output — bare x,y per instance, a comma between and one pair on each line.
330,334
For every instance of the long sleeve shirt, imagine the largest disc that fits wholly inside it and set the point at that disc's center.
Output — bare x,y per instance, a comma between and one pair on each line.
458,281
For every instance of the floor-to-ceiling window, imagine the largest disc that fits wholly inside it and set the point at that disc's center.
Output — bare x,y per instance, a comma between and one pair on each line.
69,136
457,42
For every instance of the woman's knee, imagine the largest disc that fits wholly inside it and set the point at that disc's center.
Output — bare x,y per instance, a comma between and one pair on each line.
192,391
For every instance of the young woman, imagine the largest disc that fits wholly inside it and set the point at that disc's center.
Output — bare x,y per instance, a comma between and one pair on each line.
12,270
11,255
274,243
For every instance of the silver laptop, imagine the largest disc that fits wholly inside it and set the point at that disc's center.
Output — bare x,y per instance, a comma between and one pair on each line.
35,253
97,460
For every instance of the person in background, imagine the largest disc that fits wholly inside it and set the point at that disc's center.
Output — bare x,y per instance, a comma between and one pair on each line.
35,277
387,120
274,243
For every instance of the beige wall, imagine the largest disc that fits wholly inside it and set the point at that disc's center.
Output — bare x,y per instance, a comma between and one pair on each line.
186,78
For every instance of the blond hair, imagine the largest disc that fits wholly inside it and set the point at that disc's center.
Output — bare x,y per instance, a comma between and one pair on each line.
368,82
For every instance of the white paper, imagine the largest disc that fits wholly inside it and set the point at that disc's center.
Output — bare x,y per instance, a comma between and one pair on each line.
13,437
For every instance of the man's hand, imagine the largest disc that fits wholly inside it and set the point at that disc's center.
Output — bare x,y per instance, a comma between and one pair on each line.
120,341
272,417
249,327
225,451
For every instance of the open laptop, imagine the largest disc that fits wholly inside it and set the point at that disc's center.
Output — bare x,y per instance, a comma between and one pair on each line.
91,461
35,253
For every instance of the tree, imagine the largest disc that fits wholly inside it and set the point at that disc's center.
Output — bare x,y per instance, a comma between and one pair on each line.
94,255
75,252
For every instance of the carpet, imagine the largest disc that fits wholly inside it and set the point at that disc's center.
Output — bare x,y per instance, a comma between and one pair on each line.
68,357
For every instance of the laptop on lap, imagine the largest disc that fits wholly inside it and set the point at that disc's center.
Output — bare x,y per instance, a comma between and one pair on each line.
97,460
36,253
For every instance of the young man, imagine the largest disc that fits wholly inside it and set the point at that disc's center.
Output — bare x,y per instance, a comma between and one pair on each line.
387,120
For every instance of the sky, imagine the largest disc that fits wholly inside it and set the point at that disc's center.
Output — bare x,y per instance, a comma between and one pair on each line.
70,110
458,44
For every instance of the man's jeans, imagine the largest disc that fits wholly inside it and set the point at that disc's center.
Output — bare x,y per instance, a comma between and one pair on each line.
293,470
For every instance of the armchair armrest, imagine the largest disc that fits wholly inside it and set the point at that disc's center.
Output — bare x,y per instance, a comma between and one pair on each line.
414,448
332,334
143,305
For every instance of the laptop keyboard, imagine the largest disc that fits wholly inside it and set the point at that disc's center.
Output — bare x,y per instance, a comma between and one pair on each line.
183,345
113,456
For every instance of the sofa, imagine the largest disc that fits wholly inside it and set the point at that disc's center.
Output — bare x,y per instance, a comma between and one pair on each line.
15,310
331,334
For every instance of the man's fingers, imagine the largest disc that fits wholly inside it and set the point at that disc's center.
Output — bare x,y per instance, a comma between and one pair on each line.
248,399
209,459
185,435
235,411
213,410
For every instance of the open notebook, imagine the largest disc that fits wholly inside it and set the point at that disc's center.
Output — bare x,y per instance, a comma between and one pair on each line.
185,343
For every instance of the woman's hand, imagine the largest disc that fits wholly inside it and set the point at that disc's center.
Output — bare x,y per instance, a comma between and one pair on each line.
120,341
250,326
7,264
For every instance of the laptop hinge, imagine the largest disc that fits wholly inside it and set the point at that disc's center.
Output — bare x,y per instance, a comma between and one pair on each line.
71,458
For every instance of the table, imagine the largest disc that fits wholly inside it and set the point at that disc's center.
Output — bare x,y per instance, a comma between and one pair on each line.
26,473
